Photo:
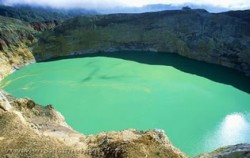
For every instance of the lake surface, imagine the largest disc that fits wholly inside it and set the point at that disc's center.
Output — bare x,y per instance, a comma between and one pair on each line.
200,106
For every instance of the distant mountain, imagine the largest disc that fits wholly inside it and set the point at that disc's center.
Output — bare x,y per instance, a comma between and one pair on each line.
244,15
35,14
41,13
160,7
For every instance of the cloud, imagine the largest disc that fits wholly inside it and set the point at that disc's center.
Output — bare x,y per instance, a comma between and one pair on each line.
230,4
67,3
95,4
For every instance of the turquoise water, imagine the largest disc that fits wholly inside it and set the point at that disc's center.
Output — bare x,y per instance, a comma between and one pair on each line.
98,94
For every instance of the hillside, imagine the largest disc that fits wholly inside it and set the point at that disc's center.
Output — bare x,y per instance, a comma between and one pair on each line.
215,38
244,15
15,38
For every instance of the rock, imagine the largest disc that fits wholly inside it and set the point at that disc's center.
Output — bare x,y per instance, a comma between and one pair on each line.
50,107
15,37
25,103
132,143
31,104
22,102
3,45
4,102
233,151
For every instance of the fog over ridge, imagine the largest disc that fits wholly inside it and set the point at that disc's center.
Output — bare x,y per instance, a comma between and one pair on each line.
106,4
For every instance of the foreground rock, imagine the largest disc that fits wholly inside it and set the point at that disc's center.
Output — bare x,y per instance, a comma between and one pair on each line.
234,151
29,129
215,38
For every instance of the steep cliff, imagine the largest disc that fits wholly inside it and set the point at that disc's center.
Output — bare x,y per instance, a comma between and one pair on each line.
15,37
215,38
16,40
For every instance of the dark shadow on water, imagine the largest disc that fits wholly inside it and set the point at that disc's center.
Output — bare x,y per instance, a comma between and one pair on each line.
90,76
210,71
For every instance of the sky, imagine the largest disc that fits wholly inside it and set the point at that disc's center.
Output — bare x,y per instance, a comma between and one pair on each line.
95,4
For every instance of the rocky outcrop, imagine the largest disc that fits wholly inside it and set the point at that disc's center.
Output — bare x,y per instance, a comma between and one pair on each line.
215,38
15,38
233,151
29,129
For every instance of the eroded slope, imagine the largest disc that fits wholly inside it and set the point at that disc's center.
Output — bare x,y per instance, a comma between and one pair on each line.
15,37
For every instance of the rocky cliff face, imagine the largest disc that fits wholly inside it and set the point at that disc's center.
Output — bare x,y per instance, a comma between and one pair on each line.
215,38
15,37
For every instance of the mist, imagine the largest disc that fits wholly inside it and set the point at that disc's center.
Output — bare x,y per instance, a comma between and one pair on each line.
112,6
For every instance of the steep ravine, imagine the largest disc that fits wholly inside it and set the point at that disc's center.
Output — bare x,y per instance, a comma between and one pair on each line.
28,129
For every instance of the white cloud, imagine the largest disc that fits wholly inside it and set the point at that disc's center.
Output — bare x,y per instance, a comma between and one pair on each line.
230,4
67,3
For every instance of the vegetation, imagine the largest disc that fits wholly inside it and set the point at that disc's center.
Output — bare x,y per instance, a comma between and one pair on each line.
13,32
244,15
15,37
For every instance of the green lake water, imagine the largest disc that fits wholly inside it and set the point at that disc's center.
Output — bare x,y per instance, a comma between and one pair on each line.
98,94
